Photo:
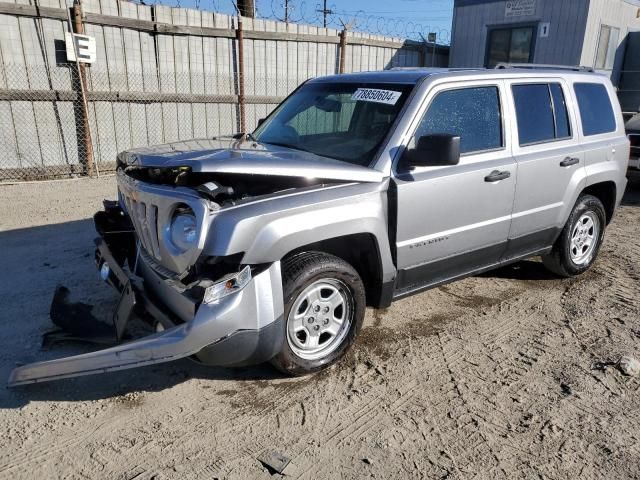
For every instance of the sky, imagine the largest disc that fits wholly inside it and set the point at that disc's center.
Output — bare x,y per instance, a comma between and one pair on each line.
389,17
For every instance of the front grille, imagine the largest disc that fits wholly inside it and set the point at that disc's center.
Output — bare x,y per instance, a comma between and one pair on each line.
144,217
151,208
159,268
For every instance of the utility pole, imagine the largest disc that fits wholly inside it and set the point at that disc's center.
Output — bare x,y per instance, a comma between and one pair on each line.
286,11
76,25
325,11
247,8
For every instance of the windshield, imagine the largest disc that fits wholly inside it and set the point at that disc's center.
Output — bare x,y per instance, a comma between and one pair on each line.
345,121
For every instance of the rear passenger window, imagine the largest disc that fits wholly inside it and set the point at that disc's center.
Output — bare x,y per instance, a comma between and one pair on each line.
595,107
541,112
471,113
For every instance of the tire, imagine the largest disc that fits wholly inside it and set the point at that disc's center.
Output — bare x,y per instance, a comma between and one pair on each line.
578,245
314,285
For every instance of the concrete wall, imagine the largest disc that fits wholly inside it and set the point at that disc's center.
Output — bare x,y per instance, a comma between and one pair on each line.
473,18
162,74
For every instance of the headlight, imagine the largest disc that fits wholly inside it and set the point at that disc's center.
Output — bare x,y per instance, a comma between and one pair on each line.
183,231
230,284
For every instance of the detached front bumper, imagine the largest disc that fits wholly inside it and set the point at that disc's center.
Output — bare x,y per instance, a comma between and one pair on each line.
243,328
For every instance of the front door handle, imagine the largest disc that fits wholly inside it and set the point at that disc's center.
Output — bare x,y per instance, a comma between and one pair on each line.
568,161
497,175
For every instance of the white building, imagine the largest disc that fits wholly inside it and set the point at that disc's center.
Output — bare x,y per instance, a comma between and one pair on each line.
603,34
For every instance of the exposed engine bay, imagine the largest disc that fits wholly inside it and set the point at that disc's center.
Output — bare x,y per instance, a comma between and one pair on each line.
226,189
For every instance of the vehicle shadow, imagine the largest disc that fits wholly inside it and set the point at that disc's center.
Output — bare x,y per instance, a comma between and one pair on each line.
34,261
530,270
632,194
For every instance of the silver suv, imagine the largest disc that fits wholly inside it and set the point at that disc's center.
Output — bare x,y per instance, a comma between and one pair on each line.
357,190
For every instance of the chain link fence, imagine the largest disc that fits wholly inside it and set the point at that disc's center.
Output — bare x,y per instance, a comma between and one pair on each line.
49,132
39,128
160,75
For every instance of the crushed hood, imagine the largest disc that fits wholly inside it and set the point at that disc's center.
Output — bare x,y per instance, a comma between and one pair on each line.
229,155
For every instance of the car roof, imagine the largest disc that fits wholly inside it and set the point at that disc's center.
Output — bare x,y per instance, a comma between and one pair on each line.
413,75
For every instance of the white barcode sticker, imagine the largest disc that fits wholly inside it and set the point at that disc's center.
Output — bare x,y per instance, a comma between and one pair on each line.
389,97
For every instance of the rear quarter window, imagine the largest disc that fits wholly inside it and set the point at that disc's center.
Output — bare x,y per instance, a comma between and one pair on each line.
596,112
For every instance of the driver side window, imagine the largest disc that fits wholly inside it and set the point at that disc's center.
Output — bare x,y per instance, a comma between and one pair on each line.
471,113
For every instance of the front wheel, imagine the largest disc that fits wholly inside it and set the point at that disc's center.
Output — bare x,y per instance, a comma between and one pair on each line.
579,242
324,310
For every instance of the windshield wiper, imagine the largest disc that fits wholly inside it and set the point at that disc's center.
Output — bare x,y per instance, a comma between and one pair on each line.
286,145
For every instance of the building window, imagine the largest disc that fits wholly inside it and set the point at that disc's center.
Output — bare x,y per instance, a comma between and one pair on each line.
514,45
607,45
472,113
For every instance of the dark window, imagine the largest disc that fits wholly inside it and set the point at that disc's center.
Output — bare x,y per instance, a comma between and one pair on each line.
471,113
563,128
596,112
510,45
541,112
534,113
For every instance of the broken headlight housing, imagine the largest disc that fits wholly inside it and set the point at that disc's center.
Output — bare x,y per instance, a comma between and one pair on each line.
229,284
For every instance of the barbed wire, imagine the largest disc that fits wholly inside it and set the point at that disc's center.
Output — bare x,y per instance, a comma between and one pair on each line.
312,12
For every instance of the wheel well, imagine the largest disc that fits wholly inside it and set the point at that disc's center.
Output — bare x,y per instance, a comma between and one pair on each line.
606,193
361,251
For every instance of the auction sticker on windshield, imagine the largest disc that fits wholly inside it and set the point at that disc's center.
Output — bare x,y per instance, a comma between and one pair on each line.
389,97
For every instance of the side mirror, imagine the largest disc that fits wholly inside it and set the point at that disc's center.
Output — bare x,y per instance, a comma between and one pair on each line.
438,149
261,121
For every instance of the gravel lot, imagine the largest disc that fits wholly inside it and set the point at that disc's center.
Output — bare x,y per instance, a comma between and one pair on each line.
491,377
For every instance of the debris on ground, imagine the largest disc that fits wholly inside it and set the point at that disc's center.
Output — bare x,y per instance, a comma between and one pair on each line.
603,366
629,366
274,461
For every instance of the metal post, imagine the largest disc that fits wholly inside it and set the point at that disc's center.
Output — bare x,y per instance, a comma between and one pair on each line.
78,27
433,39
286,11
241,99
343,49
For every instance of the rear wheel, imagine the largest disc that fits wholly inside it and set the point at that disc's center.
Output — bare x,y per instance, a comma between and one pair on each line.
579,243
324,310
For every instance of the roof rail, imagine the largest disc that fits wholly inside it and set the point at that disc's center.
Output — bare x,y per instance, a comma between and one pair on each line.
533,66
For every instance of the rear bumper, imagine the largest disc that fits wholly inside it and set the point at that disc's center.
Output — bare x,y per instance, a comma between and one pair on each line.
243,328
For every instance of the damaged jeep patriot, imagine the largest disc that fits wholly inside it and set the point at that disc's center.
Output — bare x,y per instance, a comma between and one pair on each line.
357,190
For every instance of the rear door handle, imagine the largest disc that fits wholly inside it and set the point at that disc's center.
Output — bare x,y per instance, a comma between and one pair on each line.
568,161
497,175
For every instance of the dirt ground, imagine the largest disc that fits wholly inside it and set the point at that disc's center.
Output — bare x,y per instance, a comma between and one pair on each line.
504,375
